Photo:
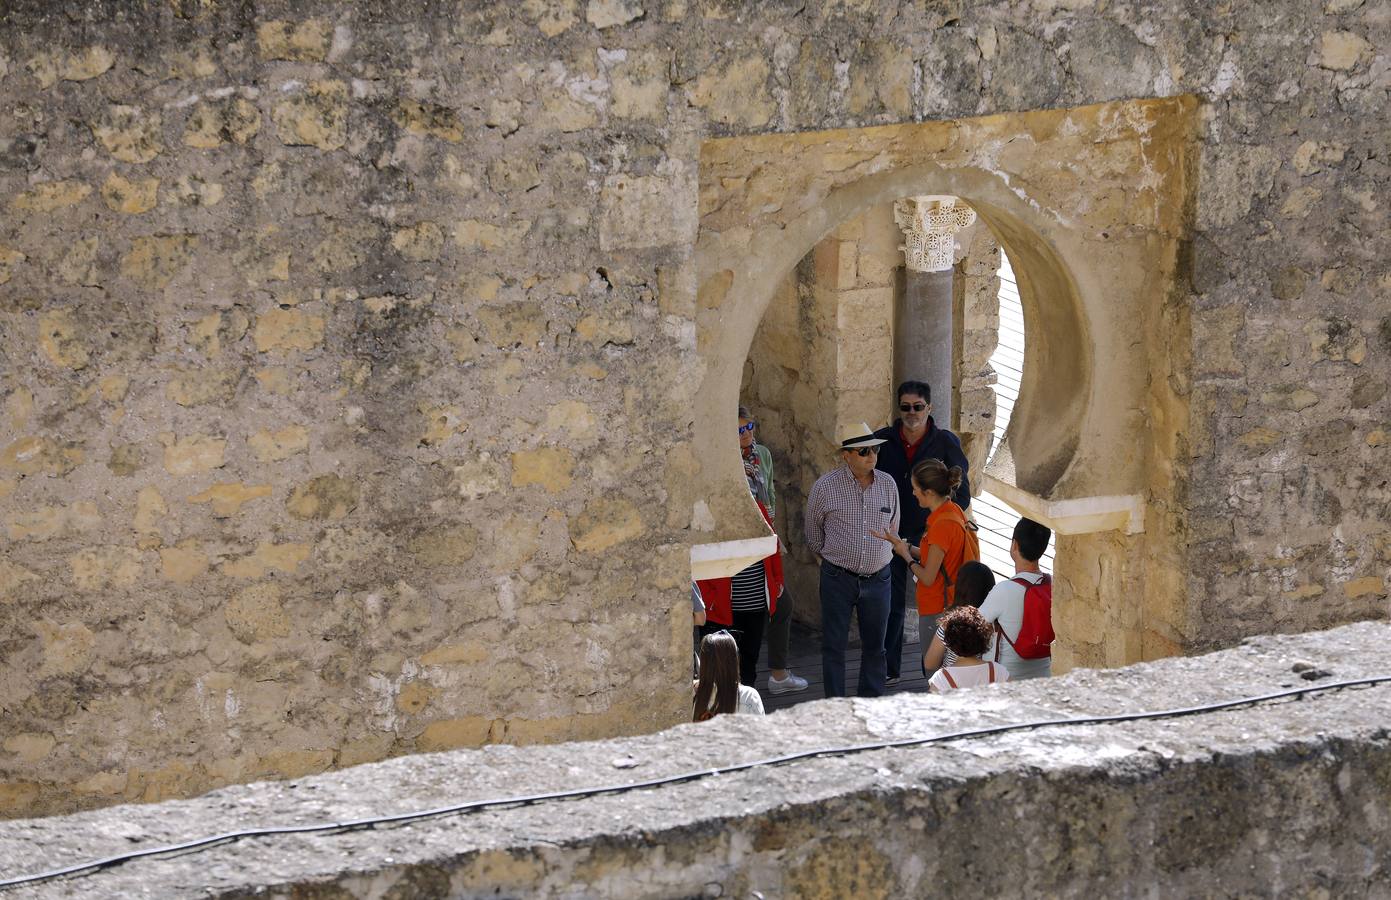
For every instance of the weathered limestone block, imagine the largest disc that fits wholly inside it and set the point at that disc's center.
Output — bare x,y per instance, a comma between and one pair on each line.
1342,50
268,558
550,467
34,454
61,340
472,234
150,510
155,260
13,578
79,264
50,196
305,41
317,116
442,423
281,444
608,13
184,562
257,614
421,242
9,259
131,197
67,648
648,210
214,122
192,454
515,325
287,330
444,545
323,497
129,133
605,523
227,498
881,81
639,82
200,387
736,93
104,568
46,522
430,120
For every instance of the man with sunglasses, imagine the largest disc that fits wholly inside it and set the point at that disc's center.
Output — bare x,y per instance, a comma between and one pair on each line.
912,438
844,511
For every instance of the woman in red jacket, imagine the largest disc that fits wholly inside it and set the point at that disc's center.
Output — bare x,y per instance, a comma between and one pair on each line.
742,604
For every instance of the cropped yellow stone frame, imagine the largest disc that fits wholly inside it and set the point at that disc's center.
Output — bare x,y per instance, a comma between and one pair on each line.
1094,207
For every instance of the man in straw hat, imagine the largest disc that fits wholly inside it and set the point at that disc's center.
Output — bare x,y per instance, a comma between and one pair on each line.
846,507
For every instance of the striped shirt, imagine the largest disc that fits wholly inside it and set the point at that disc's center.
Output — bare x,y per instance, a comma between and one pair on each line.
748,590
840,516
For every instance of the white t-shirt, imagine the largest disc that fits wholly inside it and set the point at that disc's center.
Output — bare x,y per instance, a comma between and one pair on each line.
1005,605
966,676
750,703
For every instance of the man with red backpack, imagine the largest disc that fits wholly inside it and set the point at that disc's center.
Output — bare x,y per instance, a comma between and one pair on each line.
1022,607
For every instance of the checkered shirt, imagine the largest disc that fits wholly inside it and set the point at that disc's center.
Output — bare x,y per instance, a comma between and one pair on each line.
840,516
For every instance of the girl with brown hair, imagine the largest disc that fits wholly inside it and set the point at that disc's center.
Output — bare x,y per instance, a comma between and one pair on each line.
968,636
718,690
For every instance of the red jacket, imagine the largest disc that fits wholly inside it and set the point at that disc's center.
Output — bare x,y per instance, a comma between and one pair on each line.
716,591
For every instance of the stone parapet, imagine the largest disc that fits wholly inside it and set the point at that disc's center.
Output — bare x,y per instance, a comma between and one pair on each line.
1288,797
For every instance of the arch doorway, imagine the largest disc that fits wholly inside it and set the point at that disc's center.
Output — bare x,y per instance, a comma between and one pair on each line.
1092,205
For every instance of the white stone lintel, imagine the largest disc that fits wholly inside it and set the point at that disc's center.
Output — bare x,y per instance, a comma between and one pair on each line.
725,558
1078,515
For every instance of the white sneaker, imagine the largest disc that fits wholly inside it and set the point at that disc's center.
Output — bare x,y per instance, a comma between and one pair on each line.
789,685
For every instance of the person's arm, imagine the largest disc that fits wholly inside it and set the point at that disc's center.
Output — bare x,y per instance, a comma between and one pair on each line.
927,570
936,652
765,463
697,605
814,527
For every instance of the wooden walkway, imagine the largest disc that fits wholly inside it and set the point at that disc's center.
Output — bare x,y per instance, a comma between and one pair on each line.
805,659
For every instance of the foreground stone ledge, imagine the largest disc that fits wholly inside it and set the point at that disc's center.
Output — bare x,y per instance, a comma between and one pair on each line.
1287,797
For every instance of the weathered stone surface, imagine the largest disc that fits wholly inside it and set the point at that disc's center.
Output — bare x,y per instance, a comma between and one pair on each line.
813,827
213,123
257,187
317,116
129,133
324,497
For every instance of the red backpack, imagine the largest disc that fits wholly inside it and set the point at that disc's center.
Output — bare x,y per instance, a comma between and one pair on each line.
1036,631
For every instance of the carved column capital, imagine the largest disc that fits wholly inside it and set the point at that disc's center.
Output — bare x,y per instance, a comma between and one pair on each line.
929,228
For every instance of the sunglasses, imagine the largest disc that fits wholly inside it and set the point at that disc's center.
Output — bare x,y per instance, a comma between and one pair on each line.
745,429
865,451
912,407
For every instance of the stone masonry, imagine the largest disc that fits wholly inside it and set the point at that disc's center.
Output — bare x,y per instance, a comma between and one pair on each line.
1290,798
350,354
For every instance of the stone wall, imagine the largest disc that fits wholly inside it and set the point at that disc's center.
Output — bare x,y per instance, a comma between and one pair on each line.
350,352
822,358
1281,799
977,287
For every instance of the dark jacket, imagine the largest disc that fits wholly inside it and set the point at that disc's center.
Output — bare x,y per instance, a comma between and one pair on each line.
938,443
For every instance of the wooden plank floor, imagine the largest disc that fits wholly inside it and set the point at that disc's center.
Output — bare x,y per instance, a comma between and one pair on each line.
805,660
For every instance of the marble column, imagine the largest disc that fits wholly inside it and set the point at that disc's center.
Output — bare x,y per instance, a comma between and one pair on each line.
923,335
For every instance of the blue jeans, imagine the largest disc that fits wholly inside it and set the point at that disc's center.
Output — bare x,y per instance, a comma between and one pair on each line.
842,591
900,584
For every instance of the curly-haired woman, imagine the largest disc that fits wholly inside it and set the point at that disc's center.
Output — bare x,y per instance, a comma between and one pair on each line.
967,635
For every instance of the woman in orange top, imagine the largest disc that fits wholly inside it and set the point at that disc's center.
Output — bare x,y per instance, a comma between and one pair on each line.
947,543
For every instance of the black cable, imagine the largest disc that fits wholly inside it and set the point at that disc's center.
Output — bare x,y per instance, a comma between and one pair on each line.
528,799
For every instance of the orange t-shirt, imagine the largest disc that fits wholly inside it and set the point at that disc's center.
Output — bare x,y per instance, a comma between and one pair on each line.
946,528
